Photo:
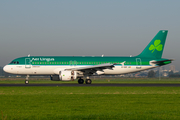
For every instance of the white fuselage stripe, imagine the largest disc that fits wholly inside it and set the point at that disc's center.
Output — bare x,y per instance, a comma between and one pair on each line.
50,70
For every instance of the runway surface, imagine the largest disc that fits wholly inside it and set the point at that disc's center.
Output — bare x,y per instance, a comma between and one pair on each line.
94,85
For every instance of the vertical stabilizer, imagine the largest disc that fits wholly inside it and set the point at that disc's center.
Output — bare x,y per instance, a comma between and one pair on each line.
155,48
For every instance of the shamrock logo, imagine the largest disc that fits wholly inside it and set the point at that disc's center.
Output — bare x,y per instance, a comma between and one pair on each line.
157,46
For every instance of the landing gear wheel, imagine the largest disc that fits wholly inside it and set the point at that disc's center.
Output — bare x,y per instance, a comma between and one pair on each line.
80,81
26,81
88,81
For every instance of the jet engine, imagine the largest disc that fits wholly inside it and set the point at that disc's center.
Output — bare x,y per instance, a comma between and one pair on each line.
65,76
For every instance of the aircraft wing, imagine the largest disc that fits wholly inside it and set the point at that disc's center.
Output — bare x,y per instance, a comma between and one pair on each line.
94,68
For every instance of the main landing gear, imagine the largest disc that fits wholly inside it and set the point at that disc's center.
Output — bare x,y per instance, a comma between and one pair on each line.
88,81
81,81
26,81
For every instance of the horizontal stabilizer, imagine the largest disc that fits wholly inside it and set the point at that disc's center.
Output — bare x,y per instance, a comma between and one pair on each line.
162,62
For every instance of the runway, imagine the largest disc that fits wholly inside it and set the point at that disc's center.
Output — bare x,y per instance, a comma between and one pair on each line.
94,85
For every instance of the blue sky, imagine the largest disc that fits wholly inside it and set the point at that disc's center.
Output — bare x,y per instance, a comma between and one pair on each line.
96,27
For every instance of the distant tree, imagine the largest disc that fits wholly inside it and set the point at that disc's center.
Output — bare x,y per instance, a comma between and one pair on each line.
151,74
1,71
157,73
171,73
6,74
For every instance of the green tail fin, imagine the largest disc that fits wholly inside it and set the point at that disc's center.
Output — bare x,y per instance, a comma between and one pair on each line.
155,48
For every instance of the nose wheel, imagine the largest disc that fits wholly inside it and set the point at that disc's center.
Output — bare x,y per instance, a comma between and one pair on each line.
26,81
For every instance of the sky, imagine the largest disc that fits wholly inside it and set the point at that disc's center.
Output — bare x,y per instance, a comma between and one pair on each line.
86,27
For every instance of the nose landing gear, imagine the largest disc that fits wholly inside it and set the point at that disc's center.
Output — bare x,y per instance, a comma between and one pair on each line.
26,81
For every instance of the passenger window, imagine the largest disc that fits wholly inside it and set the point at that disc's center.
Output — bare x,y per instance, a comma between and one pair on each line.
17,62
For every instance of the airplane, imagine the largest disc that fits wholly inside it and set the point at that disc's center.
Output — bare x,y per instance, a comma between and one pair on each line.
68,68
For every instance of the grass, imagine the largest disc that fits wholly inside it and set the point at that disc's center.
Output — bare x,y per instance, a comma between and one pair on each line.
44,103
96,80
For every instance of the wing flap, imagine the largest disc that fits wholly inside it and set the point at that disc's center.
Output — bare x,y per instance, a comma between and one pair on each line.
93,69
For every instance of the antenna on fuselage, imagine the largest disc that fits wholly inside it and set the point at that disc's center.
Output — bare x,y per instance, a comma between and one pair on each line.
29,55
102,55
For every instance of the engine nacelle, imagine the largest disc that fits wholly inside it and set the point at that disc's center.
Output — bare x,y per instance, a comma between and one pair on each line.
64,76
67,75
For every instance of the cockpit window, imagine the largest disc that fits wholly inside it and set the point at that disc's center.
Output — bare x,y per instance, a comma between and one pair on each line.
14,62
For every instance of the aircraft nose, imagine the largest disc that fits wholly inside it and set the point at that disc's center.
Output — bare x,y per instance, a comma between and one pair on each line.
6,68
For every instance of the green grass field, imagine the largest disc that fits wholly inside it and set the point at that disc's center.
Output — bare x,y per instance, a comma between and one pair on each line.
44,103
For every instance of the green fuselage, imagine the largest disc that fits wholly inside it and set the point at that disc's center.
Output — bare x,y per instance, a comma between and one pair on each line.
81,60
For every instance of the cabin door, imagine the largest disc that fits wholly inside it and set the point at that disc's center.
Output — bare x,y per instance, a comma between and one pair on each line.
27,63
138,63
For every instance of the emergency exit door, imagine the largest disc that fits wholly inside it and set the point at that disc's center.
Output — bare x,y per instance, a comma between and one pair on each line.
27,63
138,63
